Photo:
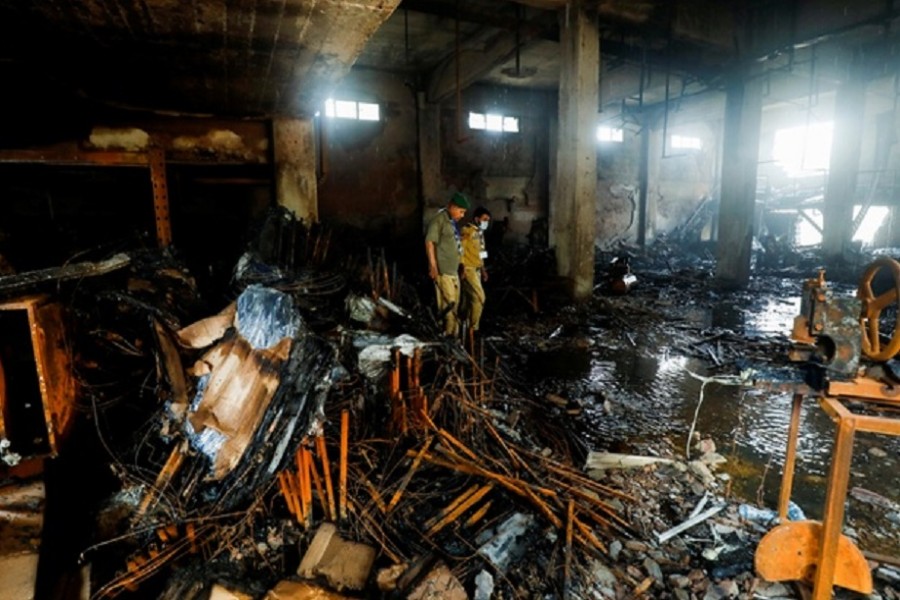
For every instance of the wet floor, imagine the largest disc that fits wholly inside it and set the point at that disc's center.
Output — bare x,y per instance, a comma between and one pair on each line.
637,388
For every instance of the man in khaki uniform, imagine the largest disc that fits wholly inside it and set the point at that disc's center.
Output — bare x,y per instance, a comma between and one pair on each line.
443,247
474,271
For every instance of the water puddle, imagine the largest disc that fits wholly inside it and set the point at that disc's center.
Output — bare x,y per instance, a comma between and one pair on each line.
636,389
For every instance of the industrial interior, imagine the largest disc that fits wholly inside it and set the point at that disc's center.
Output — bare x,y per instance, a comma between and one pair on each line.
223,373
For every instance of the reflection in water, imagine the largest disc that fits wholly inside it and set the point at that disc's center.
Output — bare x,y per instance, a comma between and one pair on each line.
643,391
775,317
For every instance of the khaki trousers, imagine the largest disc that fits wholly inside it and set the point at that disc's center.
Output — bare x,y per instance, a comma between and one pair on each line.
473,296
447,289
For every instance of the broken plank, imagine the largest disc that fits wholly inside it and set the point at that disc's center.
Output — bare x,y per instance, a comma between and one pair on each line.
667,535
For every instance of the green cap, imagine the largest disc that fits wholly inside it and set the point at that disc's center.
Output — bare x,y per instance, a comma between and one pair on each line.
460,200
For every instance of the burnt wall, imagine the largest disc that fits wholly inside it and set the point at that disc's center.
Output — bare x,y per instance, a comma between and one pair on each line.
63,199
618,186
679,179
367,169
506,172
368,177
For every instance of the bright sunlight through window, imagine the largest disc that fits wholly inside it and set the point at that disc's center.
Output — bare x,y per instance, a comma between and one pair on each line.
686,142
803,151
610,134
349,109
874,219
808,235
493,122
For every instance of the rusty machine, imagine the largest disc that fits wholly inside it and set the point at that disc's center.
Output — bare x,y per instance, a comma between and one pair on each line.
848,373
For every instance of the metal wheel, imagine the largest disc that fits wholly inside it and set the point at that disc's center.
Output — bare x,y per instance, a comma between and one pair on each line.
872,306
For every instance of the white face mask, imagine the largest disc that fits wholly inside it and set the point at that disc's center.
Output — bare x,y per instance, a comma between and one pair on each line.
483,225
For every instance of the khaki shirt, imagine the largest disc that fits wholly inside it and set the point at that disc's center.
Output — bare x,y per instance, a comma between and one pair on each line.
473,246
442,232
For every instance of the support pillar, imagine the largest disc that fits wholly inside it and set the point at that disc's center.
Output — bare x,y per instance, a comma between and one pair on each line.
429,144
849,109
572,213
295,167
643,182
740,158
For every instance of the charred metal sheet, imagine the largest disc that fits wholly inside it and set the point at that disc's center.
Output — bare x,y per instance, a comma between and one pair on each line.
27,282
242,376
257,390
207,331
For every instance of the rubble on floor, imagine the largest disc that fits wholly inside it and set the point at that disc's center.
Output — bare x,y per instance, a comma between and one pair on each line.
280,448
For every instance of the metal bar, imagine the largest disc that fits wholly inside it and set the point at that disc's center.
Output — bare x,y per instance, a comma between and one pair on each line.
412,469
299,491
173,463
833,513
342,475
326,471
317,482
452,506
479,514
460,509
75,157
866,423
160,197
306,485
790,460
810,220
865,388
376,495
589,535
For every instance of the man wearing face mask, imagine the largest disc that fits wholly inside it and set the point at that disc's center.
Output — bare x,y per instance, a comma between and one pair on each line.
472,267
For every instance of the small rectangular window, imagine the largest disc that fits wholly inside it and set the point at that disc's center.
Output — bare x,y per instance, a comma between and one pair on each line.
610,134
511,124
685,142
368,112
345,109
350,109
493,122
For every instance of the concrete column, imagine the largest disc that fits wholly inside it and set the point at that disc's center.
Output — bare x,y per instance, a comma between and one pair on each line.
295,167
643,182
429,144
740,157
573,214
849,109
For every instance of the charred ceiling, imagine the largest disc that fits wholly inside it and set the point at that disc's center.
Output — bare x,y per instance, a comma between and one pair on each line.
251,59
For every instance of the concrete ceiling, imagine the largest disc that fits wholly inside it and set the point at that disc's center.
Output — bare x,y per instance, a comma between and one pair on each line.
226,57
250,58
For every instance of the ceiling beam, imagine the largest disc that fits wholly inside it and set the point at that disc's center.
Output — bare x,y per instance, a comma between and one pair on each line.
328,44
447,77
